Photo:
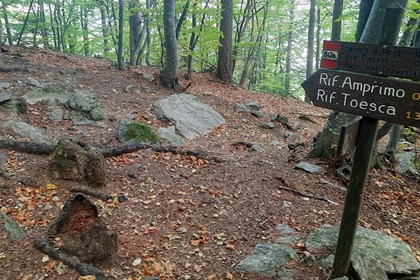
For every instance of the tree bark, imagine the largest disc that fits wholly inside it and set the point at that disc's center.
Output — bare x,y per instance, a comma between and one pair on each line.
289,46
310,56
336,23
224,56
135,22
120,34
168,76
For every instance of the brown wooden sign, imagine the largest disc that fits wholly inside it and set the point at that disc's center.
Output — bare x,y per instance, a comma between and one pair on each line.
348,138
374,59
387,99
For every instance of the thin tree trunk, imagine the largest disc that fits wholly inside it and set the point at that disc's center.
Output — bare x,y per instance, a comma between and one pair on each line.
7,24
182,18
289,46
318,38
336,23
120,34
168,76
42,20
148,35
84,21
25,22
104,25
311,31
224,56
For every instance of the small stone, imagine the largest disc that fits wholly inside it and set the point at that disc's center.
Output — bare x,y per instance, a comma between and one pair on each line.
148,76
136,262
253,105
56,115
4,85
32,82
239,107
122,198
257,148
287,204
257,114
267,125
207,93
279,118
28,182
308,167
5,97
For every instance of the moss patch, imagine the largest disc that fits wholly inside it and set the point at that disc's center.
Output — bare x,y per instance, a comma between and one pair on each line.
140,132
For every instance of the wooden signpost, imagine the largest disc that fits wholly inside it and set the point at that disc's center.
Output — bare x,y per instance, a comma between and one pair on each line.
373,97
373,59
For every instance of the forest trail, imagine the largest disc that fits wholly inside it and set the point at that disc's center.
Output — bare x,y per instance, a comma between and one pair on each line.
185,217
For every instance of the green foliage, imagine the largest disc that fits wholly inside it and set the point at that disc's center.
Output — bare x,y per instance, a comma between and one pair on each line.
140,132
260,32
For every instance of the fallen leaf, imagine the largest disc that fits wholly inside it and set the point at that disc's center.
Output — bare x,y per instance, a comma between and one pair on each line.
50,186
87,277
229,276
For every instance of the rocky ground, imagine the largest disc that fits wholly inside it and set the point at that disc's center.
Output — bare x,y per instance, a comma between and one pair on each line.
186,217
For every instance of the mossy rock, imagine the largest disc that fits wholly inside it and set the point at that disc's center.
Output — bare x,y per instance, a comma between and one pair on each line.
409,135
69,161
135,132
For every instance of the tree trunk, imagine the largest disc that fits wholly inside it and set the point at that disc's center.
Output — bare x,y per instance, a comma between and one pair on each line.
42,20
364,11
1,35
84,21
120,34
148,36
182,19
240,30
105,31
336,23
25,22
168,76
224,56
289,46
318,38
7,24
135,21
310,56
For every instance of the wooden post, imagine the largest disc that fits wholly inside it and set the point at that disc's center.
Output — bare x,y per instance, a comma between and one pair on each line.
365,139
365,143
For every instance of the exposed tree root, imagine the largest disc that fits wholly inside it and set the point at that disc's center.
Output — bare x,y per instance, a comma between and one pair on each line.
45,149
27,147
302,193
89,191
47,247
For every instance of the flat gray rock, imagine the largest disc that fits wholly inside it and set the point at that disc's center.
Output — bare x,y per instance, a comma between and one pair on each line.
406,163
13,228
24,130
374,254
5,97
53,92
308,167
190,115
169,134
266,259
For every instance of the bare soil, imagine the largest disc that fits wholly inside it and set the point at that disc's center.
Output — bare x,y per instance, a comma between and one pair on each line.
186,217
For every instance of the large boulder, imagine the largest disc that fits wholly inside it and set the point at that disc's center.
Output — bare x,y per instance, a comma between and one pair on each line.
49,92
375,255
129,132
25,130
190,115
85,107
69,161
266,259
81,232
